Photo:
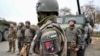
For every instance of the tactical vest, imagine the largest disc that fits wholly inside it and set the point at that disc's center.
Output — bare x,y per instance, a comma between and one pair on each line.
28,33
19,33
71,34
50,41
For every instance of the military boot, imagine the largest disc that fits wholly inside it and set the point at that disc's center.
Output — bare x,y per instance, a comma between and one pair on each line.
18,53
9,49
13,50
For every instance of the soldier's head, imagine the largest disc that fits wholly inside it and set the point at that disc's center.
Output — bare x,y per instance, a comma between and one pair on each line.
46,8
21,24
71,22
27,23
12,25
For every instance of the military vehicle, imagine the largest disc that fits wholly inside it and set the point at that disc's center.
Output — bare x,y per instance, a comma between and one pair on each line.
4,27
63,21
86,24
81,22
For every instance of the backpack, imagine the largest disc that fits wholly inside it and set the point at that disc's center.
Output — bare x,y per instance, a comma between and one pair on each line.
50,40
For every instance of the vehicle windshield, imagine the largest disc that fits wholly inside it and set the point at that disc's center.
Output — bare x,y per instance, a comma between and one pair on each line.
79,19
59,20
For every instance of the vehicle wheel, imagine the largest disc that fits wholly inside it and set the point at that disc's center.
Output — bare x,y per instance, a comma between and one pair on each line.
6,35
0,36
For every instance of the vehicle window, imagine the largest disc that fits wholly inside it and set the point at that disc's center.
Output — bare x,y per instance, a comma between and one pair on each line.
79,20
59,20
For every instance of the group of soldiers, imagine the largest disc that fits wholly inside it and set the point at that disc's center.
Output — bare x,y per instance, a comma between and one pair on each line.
49,39
22,33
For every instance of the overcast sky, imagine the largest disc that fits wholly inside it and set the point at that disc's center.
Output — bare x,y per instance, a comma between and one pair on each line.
22,10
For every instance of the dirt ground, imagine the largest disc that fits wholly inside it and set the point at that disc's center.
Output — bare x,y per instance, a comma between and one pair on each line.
92,50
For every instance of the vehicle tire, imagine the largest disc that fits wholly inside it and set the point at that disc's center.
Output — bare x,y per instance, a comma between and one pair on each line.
5,35
0,36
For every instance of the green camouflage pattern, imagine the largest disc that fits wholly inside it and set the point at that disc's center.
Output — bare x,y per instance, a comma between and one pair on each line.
38,49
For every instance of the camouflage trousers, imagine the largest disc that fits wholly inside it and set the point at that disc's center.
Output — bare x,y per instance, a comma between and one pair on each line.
11,44
27,45
20,45
71,49
28,48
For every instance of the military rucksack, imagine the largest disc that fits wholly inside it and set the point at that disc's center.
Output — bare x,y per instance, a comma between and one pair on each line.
50,40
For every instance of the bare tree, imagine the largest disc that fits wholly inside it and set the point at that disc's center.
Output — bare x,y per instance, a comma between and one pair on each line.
88,10
64,11
97,15
91,11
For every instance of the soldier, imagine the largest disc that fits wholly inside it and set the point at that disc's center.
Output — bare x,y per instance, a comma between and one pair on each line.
29,34
73,38
87,31
12,37
20,36
50,40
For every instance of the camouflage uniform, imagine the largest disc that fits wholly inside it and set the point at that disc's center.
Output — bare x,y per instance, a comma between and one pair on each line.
47,12
38,49
11,39
29,34
20,37
73,40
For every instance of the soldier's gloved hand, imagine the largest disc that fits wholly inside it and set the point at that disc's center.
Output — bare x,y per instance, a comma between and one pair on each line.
76,49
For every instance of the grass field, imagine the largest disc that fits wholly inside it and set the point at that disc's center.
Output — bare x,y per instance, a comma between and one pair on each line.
96,34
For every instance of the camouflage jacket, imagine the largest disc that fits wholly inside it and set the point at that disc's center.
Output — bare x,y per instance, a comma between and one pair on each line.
12,33
63,42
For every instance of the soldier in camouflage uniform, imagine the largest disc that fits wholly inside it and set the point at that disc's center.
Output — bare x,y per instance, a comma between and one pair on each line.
47,11
29,34
73,38
20,36
12,37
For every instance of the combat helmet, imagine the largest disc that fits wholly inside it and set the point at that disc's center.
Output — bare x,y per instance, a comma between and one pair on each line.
47,6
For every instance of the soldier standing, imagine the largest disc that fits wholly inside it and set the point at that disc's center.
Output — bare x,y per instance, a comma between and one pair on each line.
73,38
20,36
12,37
47,11
29,34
